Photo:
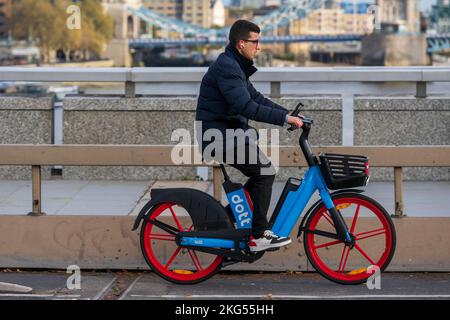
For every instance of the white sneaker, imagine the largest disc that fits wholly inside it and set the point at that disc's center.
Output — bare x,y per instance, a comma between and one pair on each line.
267,241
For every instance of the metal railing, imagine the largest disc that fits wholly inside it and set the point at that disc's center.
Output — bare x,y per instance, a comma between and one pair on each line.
421,76
160,155
275,82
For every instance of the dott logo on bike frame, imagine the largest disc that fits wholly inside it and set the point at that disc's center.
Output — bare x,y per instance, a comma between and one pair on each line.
241,209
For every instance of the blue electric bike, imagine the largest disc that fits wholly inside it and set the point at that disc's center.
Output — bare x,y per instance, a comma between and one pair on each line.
187,235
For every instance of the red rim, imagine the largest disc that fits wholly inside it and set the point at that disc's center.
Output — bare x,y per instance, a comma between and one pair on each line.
332,257
193,268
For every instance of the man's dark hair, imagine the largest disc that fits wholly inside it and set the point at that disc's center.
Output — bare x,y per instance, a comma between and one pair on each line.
240,30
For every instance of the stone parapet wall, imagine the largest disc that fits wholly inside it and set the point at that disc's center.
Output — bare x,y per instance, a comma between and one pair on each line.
151,120
403,120
116,120
25,120
378,120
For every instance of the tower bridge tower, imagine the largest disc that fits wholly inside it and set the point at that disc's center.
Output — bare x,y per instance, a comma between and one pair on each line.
407,47
126,26
403,13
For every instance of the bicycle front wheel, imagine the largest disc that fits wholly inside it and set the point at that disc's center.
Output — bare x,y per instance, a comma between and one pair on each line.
374,240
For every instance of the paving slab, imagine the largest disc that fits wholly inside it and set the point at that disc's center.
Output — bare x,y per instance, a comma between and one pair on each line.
60,197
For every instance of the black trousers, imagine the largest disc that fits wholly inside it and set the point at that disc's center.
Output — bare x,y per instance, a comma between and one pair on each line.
261,176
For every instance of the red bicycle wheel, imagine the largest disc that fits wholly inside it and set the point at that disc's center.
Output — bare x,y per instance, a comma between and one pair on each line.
374,244
165,257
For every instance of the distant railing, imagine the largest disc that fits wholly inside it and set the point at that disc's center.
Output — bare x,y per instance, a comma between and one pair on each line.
160,155
132,76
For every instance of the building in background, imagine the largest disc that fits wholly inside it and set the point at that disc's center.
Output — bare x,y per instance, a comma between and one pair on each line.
254,4
352,16
204,13
5,11
332,18
218,13
440,16
355,16
404,15
197,12
341,17
272,3
170,8
233,3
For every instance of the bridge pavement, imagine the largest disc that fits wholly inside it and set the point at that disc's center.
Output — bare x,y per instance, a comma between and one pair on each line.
223,286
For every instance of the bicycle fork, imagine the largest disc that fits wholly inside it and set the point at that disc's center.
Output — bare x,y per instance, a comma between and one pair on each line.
341,227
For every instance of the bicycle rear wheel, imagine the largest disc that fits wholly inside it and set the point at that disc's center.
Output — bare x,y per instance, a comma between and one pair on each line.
171,262
372,229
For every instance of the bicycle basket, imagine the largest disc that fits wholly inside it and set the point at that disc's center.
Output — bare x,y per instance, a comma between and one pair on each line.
342,171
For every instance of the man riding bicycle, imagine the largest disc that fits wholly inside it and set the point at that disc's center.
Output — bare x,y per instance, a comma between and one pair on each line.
227,100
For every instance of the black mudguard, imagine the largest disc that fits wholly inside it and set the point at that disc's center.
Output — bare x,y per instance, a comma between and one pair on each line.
319,202
206,212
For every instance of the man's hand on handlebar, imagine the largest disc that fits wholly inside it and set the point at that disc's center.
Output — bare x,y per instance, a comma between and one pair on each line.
295,120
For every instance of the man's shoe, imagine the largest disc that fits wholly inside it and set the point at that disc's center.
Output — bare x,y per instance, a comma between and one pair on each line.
268,240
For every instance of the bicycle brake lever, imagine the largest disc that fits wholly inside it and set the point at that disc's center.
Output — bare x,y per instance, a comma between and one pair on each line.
297,110
295,114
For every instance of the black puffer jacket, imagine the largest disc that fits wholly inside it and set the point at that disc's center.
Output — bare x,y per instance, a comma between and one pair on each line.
227,99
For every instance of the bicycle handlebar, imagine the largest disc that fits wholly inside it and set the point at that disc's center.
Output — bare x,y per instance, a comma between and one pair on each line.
306,121
303,140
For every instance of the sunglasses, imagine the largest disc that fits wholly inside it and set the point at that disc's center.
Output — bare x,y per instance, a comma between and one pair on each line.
253,41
